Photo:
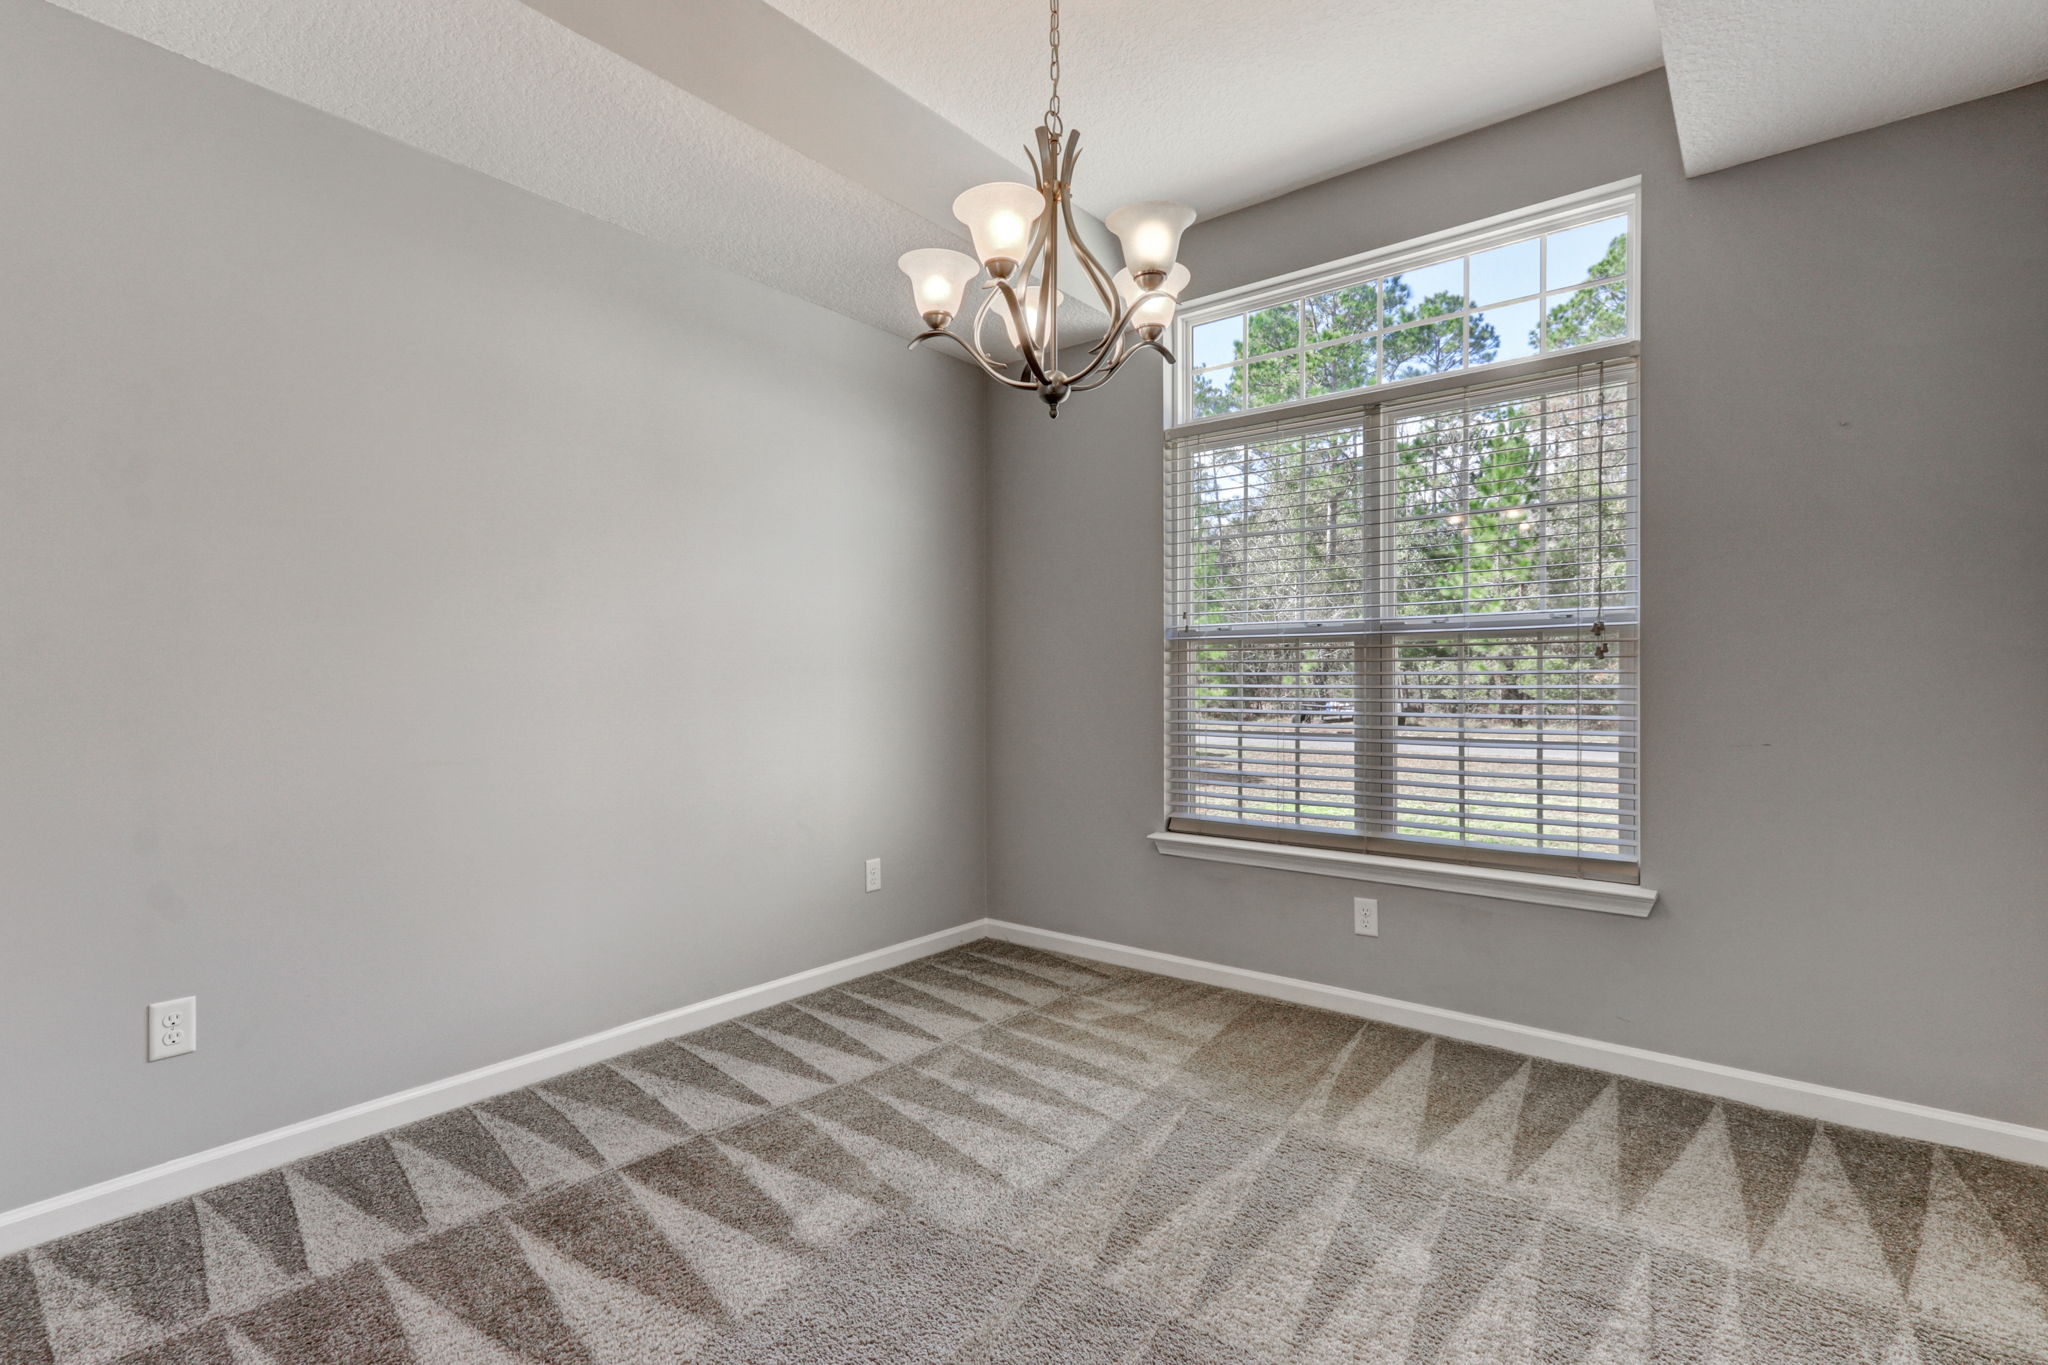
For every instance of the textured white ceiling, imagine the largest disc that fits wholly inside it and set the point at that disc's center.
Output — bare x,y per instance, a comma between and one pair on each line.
807,143
1222,103
496,86
1751,78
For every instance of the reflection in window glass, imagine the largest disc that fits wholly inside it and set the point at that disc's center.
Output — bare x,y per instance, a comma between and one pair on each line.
1217,343
1275,329
1431,348
1592,252
1505,333
1219,391
1596,313
1509,272
1345,365
1425,293
1342,313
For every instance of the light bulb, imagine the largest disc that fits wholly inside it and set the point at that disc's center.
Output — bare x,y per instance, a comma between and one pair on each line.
938,281
1000,215
1150,234
1027,302
1006,229
1151,317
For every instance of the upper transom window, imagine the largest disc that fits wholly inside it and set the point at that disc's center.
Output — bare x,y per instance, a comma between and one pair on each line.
1543,280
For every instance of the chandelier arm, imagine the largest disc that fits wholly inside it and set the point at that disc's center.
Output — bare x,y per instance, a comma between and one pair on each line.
988,301
1114,357
1110,373
1041,232
1032,361
1098,276
1042,228
1105,289
1048,337
987,366
1120,321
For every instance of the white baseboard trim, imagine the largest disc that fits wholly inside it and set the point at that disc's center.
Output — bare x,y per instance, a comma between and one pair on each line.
32,1224
2013,1141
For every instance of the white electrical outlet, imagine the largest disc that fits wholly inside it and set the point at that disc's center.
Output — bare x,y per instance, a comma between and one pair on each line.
173,1028
1365,917
874,874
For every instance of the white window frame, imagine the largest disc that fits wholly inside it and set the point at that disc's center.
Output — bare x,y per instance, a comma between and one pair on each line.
1556,215
1539,220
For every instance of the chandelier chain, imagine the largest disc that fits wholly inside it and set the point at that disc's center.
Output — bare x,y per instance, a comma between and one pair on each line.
1053,121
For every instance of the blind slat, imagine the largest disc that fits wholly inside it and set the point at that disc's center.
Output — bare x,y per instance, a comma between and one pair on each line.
1413,622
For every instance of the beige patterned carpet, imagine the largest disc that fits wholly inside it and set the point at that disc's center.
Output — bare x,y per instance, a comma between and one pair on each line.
996,1156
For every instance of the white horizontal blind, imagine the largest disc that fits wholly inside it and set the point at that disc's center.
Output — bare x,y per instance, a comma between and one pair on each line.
1264,731
1412,628
1519,743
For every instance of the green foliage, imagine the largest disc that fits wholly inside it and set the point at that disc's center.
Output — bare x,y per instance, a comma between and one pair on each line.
1597,312
1324,332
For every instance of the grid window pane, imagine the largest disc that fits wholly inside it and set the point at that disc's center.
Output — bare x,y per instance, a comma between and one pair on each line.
1342,312
1431,348
1219,391
1343,366
1432,291
1506,332
1217,343
1596,313
1274,329
1274,381
1508,272
1595,251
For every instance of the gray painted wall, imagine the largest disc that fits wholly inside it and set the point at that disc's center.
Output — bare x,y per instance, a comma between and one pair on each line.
436,625
1845,676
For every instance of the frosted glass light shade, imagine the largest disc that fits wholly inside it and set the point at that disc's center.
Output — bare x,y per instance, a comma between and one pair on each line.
1150,234
938,281
1156,311
1000,215
1027,299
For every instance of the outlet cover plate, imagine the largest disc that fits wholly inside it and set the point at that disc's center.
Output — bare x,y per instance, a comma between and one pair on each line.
173,1028
1365,917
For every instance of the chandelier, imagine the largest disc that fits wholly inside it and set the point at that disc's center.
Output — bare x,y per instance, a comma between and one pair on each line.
1019,231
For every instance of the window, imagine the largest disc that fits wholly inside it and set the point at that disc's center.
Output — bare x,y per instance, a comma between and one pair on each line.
1404,622
1535,284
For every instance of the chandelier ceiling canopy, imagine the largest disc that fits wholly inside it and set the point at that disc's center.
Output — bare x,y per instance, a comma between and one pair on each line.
1020,232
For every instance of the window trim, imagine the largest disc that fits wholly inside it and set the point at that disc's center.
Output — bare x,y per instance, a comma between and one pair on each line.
1583,882
1555,215
1536,888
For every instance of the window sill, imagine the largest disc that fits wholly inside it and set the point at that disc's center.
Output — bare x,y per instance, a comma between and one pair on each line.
1536,888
